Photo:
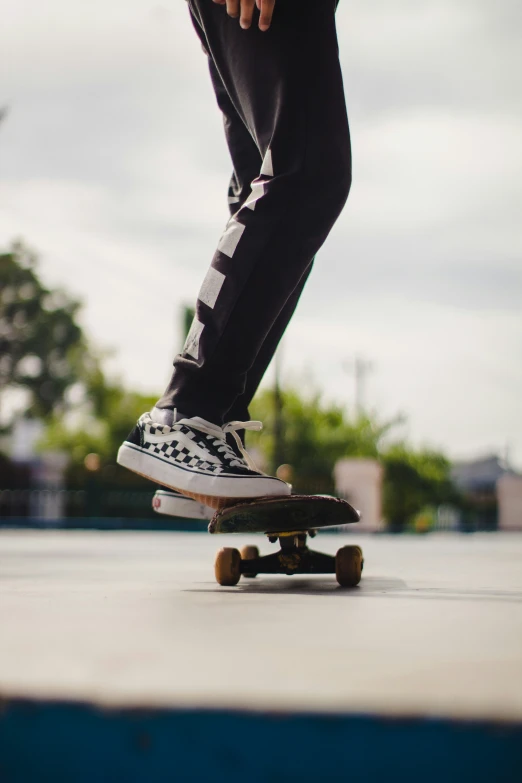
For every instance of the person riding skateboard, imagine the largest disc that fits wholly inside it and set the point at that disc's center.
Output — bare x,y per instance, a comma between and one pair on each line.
275,70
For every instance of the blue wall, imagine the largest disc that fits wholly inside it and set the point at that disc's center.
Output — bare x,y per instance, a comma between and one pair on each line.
80,743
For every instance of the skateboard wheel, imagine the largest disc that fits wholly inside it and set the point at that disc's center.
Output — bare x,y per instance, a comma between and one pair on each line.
228,567
249,553
348,566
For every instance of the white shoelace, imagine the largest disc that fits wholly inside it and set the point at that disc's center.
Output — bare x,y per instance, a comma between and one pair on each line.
232,427
220,438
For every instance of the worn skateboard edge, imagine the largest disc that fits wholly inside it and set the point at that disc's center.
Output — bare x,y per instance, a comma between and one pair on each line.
283,514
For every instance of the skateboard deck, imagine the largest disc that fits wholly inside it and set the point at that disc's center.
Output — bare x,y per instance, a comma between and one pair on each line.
290,520
283,514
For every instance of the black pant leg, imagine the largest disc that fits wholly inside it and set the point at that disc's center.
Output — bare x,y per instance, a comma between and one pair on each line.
246,161
239,410
286,86
244,153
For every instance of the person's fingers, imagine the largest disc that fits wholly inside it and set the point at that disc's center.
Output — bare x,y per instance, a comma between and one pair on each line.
233,8
244,9
247,10
266,8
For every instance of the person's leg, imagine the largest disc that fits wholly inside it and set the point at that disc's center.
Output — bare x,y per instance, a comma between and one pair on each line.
246,161
239,410
286,86
244,153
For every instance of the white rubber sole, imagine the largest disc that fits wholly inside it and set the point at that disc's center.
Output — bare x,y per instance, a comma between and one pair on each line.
165,502
197,484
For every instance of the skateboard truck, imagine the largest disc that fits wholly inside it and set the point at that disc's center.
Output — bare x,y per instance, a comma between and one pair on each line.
294,557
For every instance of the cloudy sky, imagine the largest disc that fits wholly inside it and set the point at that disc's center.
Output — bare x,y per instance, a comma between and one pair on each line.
113,167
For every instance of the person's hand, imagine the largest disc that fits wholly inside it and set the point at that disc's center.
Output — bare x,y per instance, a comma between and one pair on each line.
244,10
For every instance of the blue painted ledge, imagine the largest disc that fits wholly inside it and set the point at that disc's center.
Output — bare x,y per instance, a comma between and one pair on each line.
80,743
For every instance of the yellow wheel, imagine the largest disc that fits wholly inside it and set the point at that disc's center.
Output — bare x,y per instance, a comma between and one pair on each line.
249,553
361,554
228,567
348,566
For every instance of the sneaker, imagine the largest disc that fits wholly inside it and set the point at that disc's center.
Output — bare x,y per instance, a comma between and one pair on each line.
174,504
193,457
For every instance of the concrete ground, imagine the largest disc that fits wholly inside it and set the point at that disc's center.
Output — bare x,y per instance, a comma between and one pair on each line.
435,627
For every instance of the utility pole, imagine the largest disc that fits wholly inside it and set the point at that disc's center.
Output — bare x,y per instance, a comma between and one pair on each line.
360,368
279,433
187,316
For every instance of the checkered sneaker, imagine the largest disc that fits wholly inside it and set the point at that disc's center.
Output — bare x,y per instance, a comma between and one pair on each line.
196,450
194,457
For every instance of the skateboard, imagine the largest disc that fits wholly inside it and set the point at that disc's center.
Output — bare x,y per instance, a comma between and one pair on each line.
289,520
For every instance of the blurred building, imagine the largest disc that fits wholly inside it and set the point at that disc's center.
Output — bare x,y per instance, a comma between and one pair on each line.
360,482
509,497
492,489
479,475
25,435
44,498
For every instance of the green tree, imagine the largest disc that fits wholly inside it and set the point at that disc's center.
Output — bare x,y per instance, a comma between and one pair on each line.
42,347
413,481
100,421
98,424
316,435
